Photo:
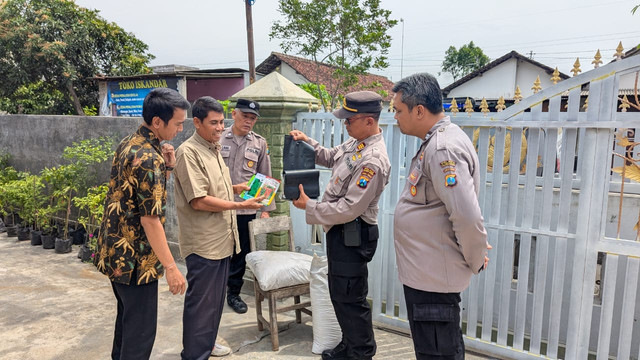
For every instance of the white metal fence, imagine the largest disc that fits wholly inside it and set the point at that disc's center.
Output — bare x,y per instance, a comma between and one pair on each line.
563,281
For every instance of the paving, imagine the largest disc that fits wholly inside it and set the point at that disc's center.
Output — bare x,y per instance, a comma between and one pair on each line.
52,306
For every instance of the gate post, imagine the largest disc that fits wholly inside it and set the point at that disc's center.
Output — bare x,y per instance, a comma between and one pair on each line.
280,99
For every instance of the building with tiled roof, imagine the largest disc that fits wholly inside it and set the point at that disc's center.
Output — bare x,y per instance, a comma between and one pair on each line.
301,71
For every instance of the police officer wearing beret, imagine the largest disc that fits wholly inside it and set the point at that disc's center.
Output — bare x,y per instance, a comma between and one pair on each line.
348,212
440,239
245,153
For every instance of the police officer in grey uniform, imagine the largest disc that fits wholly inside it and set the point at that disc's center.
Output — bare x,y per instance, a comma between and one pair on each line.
245,153
348,212
440,239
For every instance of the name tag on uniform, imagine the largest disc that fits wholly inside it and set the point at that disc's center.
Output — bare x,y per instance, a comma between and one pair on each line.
254,150
226,148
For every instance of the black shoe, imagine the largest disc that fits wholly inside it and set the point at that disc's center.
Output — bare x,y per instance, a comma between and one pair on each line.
339,352
236,303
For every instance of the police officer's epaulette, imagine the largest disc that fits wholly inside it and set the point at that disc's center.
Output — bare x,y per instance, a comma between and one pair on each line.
374,152
441,136
257,135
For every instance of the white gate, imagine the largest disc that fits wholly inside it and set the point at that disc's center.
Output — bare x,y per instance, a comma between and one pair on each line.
563,279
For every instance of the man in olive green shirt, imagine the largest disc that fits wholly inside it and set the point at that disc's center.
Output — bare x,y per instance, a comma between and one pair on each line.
208,230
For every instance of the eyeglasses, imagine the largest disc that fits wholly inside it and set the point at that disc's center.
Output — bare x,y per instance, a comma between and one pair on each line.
348,121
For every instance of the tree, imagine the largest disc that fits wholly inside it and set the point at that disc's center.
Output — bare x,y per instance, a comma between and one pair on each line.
49,50
350,35
312,89
461,62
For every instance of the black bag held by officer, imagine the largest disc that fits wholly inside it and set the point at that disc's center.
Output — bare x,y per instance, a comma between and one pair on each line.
299,168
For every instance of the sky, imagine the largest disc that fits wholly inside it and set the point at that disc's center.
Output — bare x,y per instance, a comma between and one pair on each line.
212,34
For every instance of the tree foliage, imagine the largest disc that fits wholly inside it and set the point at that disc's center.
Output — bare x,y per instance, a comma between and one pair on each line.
350,35
312,89
50,48
460,62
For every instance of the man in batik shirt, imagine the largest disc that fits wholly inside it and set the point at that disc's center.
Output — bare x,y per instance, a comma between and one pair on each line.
132,246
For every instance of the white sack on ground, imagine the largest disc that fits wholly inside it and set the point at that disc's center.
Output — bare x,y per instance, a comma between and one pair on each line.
326,330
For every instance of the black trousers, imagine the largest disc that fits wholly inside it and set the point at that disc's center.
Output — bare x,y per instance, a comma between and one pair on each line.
136,320
348,287
203,305
434,319
238,261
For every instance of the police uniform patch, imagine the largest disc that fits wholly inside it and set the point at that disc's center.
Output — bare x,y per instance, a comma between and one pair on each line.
448,163
361,146
268,151
450,180
226,148
449,169
250,164
254,150
365,177
414,191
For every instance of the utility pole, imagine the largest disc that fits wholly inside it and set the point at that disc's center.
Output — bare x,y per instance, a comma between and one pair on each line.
252,61
402,49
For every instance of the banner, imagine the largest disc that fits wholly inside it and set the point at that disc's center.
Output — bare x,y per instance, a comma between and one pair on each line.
125,97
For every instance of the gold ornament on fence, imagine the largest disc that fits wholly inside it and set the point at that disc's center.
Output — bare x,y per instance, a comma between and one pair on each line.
454,107
625,104
619,52
625,101
536,85
597,60
586,104
556,76
391,109
468,106
484,107
507,150
310,106
629,170
576,67
500,106
518,95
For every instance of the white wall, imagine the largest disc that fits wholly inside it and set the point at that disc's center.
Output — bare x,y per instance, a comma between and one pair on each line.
628,81
502,81
492,84
289,73
527,74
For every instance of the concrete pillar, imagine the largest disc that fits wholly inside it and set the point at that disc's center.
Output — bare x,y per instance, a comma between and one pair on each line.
280,100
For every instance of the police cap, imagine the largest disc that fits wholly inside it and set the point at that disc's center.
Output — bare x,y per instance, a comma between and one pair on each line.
248,106
359,102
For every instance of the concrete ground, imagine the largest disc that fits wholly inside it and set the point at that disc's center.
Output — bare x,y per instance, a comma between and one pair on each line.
52,306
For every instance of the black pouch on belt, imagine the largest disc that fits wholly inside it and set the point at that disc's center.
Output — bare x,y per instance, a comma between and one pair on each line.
352,235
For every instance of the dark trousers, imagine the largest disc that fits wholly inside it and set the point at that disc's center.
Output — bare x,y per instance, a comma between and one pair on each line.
203,304
434,319
348,287
136,320
238,261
